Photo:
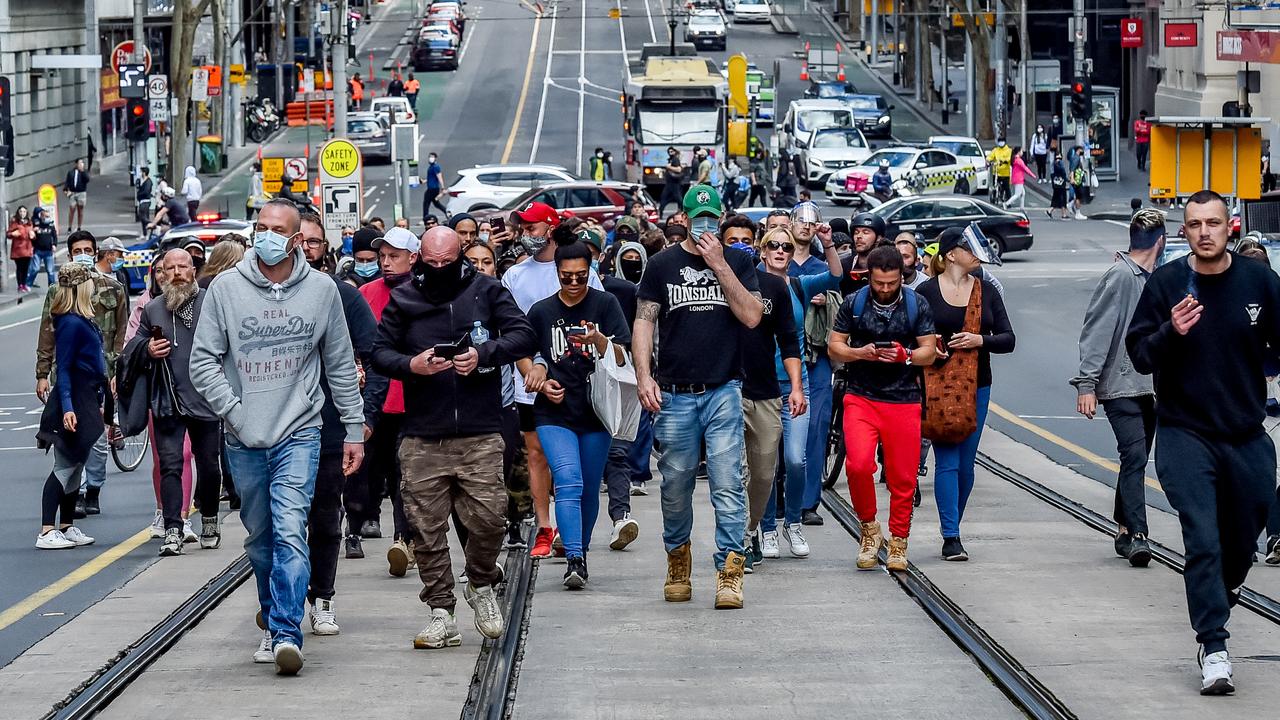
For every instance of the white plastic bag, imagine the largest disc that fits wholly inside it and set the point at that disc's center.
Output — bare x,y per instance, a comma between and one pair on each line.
614,396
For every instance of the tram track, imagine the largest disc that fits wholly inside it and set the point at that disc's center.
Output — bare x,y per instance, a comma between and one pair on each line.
1022,688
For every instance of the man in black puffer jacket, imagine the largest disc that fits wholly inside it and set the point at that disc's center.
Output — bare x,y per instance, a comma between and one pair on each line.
451,447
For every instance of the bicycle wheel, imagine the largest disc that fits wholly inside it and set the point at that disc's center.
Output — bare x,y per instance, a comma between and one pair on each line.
127,453
833,457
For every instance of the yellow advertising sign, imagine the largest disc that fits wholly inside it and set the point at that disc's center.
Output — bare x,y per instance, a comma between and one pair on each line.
236,74
738,99
1178,158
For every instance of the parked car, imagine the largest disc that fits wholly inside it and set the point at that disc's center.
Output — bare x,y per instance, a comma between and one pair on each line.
451,10
1008,230
829,89
368,132
805,116
487,187
584,198
383,107
830,149
929,171
871,114
435,49
970,154
706,29
752,11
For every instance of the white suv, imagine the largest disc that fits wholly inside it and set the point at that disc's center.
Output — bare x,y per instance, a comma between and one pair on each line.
493,186
384,106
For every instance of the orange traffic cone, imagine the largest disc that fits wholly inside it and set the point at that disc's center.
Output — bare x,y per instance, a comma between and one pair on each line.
804,71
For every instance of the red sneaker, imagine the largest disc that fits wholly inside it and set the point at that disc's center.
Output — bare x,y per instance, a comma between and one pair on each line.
542,543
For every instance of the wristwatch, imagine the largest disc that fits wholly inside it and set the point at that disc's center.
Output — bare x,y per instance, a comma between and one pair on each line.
908,355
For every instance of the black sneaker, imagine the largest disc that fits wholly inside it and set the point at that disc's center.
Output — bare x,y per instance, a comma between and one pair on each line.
1139,551
953,551
371,529
810,517
922,471
575,578
1273,550
515,536
355,549
916,501
1123,541
91,506
82,511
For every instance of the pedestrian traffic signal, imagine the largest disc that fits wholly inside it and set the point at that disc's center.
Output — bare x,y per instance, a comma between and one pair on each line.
6,107
137,120
1081,98
7,161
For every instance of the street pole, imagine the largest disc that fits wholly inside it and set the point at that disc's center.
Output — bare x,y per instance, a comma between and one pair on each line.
338,28
897,43
671,27
1024,52
139,58
946,92
227,119
875,31
1079,65
236,91
1002,59
404,188
970,123
279,59
918,54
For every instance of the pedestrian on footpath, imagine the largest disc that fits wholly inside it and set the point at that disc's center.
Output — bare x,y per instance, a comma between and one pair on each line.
435,186
324,520
451,443
699,297
1000,158
76,188
111,315
21,234
193,192
1059,183
969,315
627,470
530,282
271,409
883,333
142,194
73,419
1017,179
1040,153
1079,181
1216,464
398,253
411,88
1142,139
162,345
1107,375
575,328
42,247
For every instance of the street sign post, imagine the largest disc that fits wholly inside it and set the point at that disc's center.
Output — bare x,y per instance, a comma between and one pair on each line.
273,169
404,150
47,196
341,188
133,81
157,86
199,85
1131,33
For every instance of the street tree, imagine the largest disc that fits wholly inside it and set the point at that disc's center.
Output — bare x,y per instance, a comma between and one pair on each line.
186,17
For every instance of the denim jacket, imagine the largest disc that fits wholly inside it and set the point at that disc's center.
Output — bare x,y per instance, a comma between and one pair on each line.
1105,369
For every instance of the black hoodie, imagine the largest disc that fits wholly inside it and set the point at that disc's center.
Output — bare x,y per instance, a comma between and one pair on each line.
447,404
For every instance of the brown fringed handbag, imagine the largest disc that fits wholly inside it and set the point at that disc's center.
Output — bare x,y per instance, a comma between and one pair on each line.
951,389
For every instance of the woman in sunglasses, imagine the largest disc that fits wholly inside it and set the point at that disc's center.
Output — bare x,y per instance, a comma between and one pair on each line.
777,248
575,327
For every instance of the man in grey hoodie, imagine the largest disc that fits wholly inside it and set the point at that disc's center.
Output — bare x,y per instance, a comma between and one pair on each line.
1107,375
264,332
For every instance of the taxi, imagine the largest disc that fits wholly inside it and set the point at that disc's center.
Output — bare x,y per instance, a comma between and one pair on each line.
927,170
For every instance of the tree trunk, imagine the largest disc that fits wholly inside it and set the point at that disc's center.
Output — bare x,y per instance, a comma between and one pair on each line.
219,53
980,33
185,19
908,61
926,64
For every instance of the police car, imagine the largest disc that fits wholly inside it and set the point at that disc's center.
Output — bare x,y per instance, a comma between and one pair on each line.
209,228
927,170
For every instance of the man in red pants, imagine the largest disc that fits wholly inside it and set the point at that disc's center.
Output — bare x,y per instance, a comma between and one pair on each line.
883,333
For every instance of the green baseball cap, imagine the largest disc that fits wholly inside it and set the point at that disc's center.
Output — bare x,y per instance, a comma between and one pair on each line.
702,200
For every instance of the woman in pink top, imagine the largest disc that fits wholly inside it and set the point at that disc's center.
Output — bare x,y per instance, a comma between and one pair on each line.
1018,175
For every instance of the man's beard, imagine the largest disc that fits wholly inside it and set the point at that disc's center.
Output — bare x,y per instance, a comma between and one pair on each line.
178,294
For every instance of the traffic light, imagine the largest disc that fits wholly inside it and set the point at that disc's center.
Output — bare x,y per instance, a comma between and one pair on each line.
137,120
6,107
1081,98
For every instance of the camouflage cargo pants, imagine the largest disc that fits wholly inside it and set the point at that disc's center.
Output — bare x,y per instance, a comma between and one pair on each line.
443,475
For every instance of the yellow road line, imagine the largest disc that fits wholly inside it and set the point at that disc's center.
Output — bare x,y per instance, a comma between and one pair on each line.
524,91
75,577
1066,444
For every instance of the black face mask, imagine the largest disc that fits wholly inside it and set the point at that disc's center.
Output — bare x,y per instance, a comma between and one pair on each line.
440,284
395,279
624,235
631,269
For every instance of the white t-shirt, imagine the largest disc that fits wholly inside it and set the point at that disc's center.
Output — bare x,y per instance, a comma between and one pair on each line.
529,282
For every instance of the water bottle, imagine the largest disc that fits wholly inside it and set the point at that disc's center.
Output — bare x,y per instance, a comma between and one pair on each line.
479,336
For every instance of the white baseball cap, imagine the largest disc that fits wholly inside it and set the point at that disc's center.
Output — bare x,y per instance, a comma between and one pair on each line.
400,239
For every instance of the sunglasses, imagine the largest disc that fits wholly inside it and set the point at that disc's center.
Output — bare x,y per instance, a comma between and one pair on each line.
783,246
573,278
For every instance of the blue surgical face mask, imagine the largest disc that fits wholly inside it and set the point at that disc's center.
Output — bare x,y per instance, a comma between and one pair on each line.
483,237
699,225
117,264
595,266
83,259
366,269
270,246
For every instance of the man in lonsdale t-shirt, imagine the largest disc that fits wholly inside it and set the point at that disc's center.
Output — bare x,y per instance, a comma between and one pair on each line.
700,295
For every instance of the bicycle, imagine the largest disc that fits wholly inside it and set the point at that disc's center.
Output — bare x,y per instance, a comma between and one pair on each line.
127,452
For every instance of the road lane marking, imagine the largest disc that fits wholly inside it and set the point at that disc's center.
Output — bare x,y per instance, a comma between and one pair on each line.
38,598
14,325
582,83
546,80
1066,444
653,36
524,89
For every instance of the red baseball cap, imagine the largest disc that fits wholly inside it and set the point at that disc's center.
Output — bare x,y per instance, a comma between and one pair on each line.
536,212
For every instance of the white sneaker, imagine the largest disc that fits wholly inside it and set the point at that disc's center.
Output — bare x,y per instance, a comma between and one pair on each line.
441,632
263,654
795,538
53,540
484,602
288,658
1215,673
625,532
324,620
74,534
639,489
188,535
157,526
769,544
1081,216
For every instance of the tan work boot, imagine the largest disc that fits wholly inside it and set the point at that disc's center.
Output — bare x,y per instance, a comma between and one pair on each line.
729,583
678,587
398,558
872,541
897,554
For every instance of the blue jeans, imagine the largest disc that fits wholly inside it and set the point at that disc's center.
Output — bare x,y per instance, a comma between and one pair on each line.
577,465
276,485
641,448
95,468
795,436
953,472
42,258
819,425
686,420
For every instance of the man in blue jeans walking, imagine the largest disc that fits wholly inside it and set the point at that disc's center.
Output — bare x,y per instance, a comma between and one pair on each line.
704,294
264,332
